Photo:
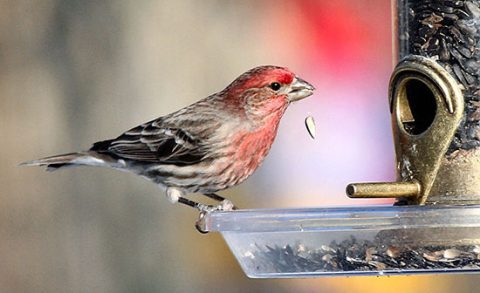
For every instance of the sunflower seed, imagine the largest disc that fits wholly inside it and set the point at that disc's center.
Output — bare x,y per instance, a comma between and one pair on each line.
451,253
310,124
393,251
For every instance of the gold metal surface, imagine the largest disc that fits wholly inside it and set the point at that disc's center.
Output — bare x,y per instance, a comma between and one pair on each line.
458,179
383,190
419,155
427,107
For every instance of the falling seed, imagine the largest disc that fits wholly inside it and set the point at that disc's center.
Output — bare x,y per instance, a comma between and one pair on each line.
310,124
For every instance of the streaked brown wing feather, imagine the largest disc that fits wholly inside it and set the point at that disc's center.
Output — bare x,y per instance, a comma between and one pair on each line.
153,142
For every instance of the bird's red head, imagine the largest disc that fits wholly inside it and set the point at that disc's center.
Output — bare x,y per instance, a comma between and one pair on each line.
263,76
266,90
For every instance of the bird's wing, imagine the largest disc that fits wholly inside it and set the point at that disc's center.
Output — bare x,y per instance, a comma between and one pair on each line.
157,143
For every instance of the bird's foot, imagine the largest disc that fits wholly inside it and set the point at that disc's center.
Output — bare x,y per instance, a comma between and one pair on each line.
203,208
225,205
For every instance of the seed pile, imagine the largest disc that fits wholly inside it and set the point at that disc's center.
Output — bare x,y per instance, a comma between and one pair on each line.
361,255
449,31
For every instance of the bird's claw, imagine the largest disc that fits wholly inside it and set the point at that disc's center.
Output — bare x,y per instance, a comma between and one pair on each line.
225,205
203,208
200,223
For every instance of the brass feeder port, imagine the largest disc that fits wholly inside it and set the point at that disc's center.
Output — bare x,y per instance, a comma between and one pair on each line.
383,189
427,107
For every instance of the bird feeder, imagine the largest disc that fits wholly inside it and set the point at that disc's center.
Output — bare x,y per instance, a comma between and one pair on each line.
434,226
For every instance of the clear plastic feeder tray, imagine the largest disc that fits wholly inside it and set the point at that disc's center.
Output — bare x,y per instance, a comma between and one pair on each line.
380,240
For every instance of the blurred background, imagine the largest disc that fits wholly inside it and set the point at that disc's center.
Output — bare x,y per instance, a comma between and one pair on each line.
75,72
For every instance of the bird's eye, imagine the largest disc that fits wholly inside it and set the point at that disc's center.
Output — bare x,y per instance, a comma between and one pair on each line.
275,86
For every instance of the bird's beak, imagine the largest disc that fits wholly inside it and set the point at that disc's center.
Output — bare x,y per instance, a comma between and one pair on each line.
299,89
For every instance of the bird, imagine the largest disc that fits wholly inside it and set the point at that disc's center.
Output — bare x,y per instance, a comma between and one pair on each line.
208,146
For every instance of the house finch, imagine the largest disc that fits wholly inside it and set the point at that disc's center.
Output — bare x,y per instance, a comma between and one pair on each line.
208,146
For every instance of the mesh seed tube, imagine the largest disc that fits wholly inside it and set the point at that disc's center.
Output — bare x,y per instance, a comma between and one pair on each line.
446,34
449,33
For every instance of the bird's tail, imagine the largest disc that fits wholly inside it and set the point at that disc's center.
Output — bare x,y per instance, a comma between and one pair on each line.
67,160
